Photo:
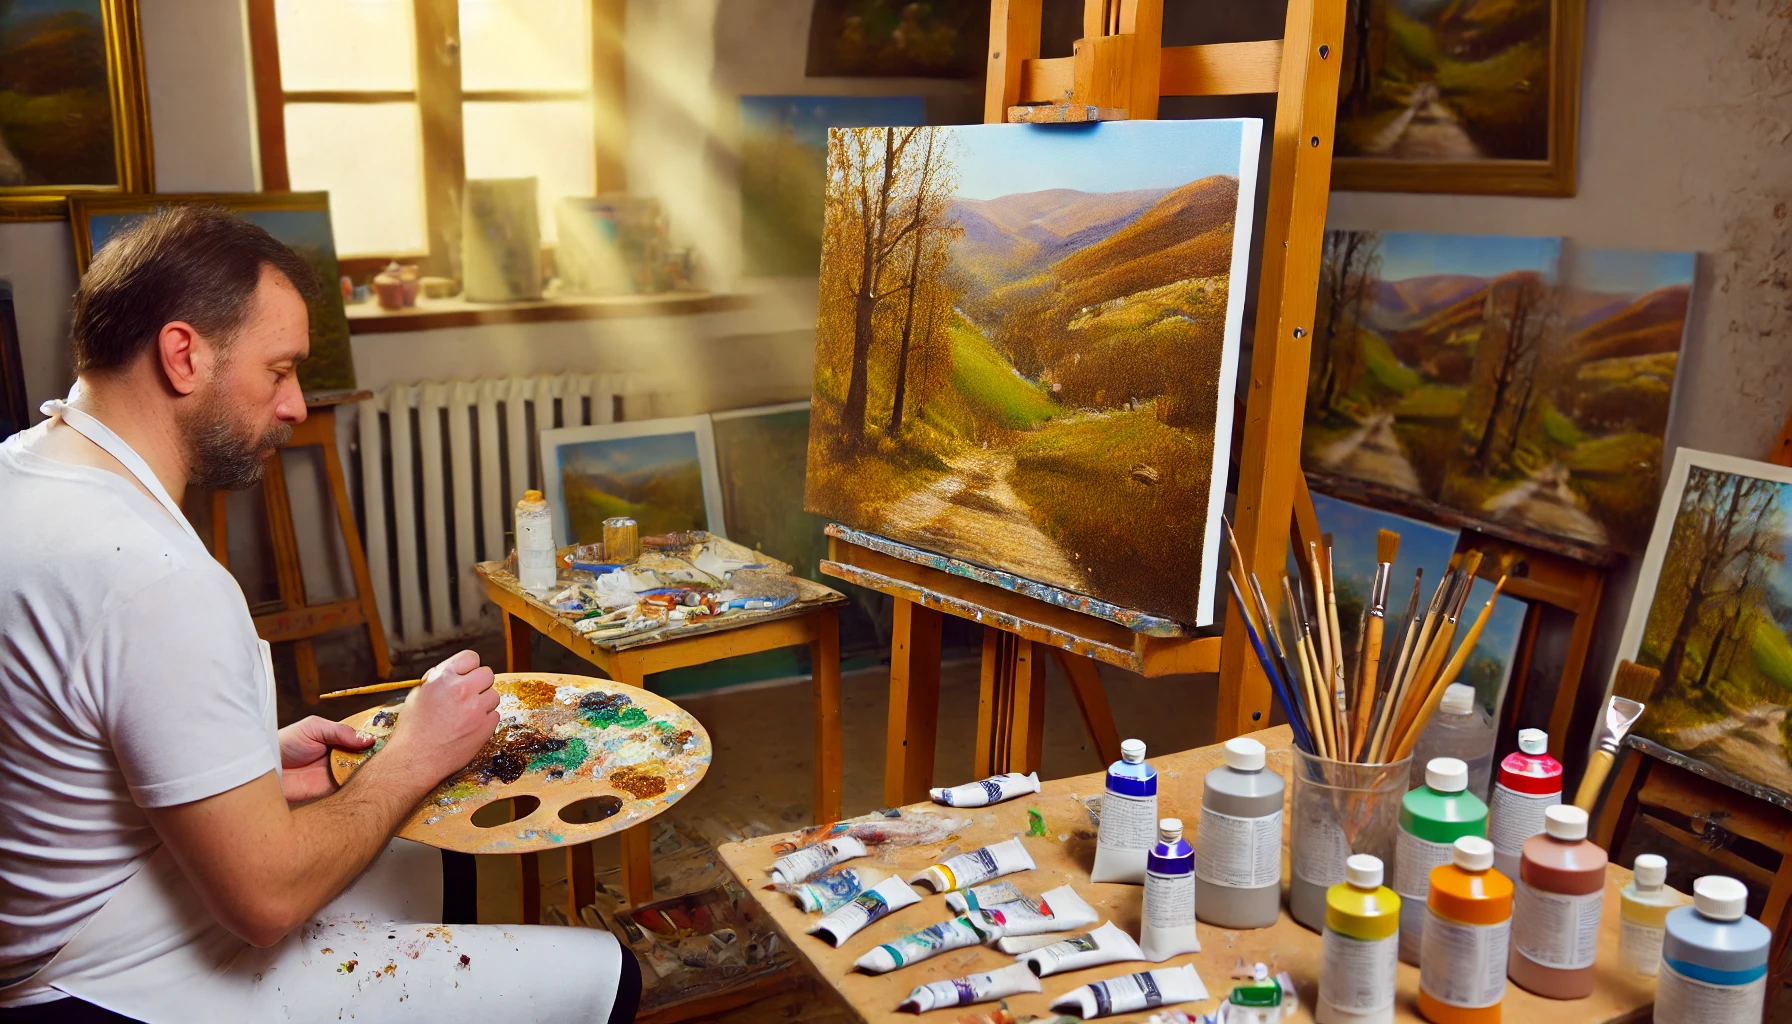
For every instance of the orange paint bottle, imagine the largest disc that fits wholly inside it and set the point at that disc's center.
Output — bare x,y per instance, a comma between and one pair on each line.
1468,925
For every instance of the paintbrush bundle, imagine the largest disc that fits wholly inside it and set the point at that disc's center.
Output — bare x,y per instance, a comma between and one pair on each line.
1370,705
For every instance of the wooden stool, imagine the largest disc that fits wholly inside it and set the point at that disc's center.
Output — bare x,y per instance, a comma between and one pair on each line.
294,621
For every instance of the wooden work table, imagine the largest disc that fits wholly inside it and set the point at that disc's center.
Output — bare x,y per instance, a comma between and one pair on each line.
1065,854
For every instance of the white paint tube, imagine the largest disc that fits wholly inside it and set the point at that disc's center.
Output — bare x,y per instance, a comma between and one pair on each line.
972,988
983,896
970,930
992,790
890,894
810,861
1128,993
1059,910
827,893
1018,944
976,867
1105,945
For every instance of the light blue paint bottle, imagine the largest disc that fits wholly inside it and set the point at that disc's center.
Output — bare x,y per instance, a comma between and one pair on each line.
1128,818
1713,958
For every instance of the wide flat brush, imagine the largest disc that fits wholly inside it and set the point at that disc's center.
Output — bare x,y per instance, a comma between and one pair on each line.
1409,631
1631,689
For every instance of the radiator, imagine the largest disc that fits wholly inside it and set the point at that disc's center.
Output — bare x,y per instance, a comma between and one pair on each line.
442,465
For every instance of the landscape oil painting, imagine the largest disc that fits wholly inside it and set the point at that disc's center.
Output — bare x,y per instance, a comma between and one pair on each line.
783,166
1713,613
1026,348
660,473
1460,95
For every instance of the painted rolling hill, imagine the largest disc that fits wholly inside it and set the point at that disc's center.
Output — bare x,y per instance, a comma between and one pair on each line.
1649,324
1015,236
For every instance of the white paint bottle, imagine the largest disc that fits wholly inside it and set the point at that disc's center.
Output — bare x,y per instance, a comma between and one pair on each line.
535,544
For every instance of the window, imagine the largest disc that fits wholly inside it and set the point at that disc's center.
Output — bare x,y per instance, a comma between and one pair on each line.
390,105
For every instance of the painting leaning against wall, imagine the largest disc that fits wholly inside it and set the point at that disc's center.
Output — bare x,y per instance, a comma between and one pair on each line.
1713,613
1026,348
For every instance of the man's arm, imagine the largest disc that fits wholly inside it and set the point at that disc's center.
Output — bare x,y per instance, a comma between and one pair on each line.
264,867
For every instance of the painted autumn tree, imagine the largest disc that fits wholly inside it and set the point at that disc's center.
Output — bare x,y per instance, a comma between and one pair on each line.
1728,532
1519,316
1349,270
887,194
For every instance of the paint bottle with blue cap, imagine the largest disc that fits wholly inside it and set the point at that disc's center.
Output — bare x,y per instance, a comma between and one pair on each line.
1128,818
1713,958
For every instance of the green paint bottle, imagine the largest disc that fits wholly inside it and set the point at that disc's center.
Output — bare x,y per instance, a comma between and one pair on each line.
1432,818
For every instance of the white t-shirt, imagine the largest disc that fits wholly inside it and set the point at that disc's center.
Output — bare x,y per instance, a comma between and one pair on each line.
130,677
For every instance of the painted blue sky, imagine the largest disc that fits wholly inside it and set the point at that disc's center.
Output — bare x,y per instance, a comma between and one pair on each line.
1003,159
628,454
20,11
1633,271
1416,254
810,117
294,227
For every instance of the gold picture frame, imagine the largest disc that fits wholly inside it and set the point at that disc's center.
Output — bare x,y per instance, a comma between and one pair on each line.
128,99
1552,175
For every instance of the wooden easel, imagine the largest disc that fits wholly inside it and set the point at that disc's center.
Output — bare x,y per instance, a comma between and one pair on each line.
291,620
1120,67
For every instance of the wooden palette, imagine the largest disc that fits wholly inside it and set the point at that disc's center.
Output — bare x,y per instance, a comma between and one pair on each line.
609,756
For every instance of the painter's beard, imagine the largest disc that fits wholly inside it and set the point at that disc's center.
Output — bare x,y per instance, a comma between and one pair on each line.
225,457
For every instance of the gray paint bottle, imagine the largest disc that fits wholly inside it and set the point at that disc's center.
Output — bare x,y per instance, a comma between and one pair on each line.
1238,858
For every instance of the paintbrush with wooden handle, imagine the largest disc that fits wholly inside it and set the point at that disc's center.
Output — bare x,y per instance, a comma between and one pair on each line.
1631,689
1409,630
1449,674
1410,663
1436,655
1340,672
1271,636
403,684
1387,548
1313,621
1303,650
1316,623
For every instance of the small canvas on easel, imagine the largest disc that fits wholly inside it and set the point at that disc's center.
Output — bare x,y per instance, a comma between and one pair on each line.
1712,610
1026,348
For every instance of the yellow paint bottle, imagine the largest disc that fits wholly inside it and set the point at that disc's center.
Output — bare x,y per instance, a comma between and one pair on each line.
1361,947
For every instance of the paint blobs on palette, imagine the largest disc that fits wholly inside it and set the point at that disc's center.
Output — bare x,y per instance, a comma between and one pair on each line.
515,750
606,709
637,783
535,693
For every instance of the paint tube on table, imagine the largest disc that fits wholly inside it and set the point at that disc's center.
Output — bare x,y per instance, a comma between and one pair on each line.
972,929
1146,990
810,861
976,867
1059,910
1105,945
972,988
983,896
890,894
992,790
827,893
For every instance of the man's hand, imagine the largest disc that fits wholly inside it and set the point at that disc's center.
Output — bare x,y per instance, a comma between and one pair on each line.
305,756
447,719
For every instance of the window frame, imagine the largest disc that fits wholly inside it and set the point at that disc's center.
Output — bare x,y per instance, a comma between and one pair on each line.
439,98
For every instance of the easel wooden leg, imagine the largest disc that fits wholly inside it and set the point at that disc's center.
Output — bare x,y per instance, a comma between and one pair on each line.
991,691
1092,701
519,652
1562,711
357,557
287,570
824,666
1026,725
637,864
1010,705
914,704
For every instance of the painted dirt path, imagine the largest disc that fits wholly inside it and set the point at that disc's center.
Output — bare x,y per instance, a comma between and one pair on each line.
976,515
1548,503
1425,130
1372,453
1747,744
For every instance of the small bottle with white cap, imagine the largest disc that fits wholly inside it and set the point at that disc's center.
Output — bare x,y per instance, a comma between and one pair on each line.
1468,924
1359,955
1556,907
1530,783
1167,919
1128,818
1462,728
1432,817
1238,852
1643,907
1713,959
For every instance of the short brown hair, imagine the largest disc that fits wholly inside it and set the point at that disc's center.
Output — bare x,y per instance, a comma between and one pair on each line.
194,263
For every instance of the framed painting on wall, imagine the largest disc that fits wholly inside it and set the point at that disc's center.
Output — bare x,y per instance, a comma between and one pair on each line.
1713,613
74,111
1440,96
1025,357
300,219
660,473
898,38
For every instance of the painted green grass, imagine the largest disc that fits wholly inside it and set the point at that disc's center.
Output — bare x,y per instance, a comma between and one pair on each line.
1772,655
1432,401
989,382
1630,453
1384,368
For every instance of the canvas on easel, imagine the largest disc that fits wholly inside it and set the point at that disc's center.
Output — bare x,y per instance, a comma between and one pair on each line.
1027,345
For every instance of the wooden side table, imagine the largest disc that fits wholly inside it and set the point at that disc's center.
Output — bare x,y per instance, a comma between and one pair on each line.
813,623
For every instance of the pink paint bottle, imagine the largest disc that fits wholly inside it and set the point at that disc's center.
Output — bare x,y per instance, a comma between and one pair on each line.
1556,908
1530,782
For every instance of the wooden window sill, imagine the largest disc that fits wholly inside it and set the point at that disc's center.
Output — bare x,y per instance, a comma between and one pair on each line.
431,314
